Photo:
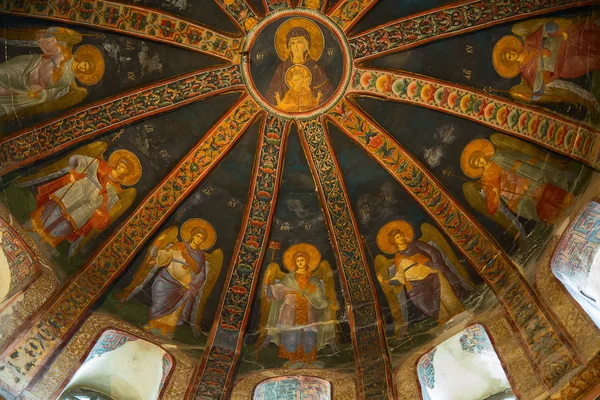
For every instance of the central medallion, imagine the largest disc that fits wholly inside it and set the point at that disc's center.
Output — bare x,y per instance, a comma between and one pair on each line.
297,63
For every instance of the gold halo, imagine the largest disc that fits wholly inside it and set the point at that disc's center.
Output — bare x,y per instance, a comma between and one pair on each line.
317,41
505,68
313,253
135,174
290,72
191,224
483,145
94,57
382,235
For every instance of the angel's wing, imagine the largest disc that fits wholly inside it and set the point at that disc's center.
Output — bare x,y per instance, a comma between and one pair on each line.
503,217
61,166
272,274
215,263
73,96
147,269
526,28
393,293
325,273
30,37
510,143
434,237
125,200
558,91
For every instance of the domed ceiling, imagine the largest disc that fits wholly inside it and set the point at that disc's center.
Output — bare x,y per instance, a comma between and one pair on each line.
232,191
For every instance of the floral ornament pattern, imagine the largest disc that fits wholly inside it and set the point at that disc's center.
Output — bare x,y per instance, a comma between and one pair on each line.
25,147
575,140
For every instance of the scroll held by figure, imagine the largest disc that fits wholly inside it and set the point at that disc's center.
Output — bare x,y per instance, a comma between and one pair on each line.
81,194
548,54
41,82
298,308
424,271
186,275
299,83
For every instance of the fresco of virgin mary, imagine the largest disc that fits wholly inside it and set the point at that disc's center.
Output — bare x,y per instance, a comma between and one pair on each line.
299,41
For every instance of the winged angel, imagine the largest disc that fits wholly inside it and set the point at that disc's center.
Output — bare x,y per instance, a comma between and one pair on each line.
79,195
426,271
546,52
298,308
515,179
186,276
37,83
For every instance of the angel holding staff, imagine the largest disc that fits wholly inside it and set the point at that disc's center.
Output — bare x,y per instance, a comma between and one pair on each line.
186,278
81,194
298,309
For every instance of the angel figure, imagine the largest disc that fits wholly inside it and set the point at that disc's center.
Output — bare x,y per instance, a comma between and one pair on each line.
298,308
37,83
515,180
426,271
81,194
186,278
547,51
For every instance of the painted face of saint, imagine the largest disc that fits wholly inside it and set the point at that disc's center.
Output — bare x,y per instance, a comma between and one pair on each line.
298,46
198,238
399,239
121,169
512,55
301,263
83,67
480,162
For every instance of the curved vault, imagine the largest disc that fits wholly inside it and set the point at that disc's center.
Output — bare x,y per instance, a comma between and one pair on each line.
321,128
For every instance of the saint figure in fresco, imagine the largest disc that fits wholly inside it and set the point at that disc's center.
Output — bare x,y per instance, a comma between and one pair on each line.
81,194
298,308
546,53
419,271
517,176
186,278
36,83
299,42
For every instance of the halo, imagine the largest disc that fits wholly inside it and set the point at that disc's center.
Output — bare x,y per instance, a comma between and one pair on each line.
313,253
191,224
505,68
135,174
316,38
96,60
483,145
290,72
382,235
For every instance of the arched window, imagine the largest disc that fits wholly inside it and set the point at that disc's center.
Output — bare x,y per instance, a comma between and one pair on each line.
293,387
576,262
120,366
18,266
464,367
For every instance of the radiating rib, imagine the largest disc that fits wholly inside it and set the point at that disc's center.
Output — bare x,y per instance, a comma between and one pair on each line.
132,20
49,329
533,124
45,139
240,12
346,13
224,345
450,20
543,344
274,5
370,346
